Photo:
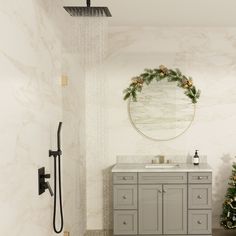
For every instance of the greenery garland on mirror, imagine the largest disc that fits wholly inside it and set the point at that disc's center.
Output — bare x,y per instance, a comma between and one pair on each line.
172,75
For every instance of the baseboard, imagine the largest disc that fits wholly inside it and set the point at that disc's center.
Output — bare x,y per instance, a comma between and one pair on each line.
98,233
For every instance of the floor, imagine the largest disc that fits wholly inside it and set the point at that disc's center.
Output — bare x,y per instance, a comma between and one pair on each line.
220,232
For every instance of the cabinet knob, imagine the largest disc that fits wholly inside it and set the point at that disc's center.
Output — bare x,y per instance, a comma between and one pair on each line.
200,177
159,191
124,197
199,222
124,223
164,191
124,178
199,197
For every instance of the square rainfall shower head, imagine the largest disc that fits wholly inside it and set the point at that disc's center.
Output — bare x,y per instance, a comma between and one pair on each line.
88,11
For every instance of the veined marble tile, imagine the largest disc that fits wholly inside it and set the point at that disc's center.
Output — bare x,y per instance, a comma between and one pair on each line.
206,54
32,104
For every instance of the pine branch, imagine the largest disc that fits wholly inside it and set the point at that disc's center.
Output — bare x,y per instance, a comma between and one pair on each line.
172,75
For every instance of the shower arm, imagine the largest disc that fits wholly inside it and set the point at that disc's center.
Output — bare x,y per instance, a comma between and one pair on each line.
88,3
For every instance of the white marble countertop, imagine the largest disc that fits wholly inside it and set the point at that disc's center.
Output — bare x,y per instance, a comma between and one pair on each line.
140,167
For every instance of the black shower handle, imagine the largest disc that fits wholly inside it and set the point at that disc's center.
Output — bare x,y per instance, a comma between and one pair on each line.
58,152
47,185
47,176
59,137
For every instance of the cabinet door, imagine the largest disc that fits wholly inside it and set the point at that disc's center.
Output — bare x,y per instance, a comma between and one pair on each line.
175,209
150,209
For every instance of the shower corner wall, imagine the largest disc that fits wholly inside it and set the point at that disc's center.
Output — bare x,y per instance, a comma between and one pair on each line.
74,165
73,117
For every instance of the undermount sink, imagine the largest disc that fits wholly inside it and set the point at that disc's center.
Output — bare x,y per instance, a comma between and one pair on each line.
161,166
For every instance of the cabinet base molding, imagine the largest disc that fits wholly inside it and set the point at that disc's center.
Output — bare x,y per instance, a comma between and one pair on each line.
109,233
98,233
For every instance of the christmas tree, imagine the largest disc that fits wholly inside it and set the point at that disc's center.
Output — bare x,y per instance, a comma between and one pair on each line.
228,217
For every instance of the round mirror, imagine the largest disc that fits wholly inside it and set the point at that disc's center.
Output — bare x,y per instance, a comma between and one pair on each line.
162,111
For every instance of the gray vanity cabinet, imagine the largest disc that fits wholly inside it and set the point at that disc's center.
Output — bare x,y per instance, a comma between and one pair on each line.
162,203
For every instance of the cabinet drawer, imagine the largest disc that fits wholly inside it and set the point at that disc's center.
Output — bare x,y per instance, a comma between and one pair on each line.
200,178
125,222
199,222
125,197
199,196
153,178
125,178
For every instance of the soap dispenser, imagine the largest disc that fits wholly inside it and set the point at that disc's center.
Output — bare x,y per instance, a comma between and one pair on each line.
196,158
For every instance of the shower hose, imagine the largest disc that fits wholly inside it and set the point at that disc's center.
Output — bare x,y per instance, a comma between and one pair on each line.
55,194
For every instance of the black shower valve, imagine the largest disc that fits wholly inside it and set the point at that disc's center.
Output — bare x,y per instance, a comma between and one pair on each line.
42,184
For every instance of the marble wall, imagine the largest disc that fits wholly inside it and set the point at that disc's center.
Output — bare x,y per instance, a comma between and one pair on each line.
74,165
33,56
32,60
206,54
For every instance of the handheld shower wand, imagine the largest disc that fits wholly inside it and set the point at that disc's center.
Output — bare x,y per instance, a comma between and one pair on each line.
57,156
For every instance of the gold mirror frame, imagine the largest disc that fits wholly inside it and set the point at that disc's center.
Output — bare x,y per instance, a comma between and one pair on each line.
154,139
